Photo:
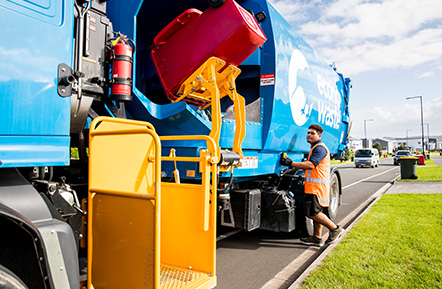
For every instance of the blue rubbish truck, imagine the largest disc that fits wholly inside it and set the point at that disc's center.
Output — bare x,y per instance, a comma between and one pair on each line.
58,61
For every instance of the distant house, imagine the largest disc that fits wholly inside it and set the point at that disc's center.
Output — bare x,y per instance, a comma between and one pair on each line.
366,143
430,144
414,143
439,143
387,146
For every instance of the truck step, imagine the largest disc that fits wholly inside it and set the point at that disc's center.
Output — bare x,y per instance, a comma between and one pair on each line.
176,277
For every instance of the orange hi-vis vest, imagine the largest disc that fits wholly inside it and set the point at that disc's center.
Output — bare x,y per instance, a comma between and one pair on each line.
317,181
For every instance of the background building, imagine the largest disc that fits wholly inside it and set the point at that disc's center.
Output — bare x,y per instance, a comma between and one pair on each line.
388,146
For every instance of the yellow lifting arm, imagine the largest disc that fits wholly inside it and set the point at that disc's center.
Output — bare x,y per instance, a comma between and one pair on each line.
207,85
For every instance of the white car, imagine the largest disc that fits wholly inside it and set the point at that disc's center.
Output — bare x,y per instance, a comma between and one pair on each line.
367,158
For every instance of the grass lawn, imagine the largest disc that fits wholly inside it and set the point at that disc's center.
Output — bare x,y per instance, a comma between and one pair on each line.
429,174
430,163
397,244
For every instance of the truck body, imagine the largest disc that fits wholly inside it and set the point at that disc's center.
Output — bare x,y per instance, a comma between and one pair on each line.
60,159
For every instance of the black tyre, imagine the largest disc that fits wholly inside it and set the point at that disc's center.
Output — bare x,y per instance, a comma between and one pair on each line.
216,3
9,280
334,197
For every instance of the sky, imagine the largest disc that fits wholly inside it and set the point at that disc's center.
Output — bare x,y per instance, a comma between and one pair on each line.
391,50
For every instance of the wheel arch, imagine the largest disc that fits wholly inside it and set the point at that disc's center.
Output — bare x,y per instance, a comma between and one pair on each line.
22,251
335,170
39,245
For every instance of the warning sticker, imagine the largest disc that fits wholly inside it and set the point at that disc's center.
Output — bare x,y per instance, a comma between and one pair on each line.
249,163
268,79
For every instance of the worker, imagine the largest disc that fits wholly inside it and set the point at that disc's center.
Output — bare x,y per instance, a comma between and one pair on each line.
317,183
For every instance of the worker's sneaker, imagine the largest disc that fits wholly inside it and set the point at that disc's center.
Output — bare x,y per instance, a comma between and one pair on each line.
334,235
312,241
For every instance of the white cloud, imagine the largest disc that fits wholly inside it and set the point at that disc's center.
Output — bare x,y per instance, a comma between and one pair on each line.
395,120
426,74
364,35
295,12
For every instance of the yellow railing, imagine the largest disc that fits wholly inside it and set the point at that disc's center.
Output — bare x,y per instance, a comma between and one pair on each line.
143,233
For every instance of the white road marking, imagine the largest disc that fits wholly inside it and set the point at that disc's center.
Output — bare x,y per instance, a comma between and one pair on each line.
373,176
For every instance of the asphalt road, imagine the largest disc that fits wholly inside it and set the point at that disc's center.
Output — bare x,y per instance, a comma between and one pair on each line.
250,260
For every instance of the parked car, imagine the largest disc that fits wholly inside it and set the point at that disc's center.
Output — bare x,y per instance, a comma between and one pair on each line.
367,157
399,154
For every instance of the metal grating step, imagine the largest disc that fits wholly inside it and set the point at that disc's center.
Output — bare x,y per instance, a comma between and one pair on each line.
174,277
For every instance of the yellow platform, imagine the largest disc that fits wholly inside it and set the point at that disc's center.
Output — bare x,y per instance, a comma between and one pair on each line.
179,278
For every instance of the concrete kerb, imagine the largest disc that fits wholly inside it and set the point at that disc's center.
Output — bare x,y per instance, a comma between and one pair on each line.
288,275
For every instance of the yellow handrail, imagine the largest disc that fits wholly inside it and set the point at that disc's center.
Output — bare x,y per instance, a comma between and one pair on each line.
100,127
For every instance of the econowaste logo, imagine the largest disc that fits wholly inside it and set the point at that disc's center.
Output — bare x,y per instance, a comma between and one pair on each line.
328,98
299,104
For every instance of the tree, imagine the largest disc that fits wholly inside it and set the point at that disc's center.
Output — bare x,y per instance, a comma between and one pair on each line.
377,146
348,154
402,147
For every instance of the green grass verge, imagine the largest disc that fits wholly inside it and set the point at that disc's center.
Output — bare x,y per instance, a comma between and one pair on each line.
397,244
430,163
427,173
433,174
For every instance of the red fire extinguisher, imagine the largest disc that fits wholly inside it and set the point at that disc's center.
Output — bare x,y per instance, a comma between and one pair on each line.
121,79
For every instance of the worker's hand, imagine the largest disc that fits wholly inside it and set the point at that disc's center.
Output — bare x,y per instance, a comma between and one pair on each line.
286,162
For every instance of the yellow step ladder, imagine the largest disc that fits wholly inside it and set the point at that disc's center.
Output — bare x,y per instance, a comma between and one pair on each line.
143,233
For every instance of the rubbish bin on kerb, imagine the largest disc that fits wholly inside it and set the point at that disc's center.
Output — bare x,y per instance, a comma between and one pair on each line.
421,160
408,167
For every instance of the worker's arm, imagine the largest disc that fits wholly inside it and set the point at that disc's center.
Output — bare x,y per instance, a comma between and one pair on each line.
307,165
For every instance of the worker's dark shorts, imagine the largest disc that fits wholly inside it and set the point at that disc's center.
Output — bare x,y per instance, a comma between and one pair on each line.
311,205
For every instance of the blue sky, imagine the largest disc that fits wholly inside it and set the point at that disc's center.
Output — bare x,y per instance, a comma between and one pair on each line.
390,49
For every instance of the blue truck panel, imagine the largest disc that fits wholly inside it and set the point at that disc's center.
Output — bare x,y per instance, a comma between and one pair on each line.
34,119
307,91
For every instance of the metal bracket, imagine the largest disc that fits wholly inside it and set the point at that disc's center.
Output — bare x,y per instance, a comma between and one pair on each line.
65,80
231,222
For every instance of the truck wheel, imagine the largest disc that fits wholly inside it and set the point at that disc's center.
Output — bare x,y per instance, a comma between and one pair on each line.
216,3
9,280
334,197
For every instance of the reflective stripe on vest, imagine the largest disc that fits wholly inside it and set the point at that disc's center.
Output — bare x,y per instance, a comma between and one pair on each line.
317,180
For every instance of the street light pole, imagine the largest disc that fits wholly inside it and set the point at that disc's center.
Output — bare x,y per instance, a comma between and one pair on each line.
422,120
407,135
365,130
